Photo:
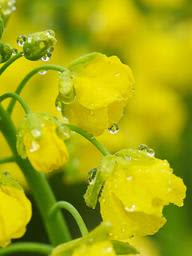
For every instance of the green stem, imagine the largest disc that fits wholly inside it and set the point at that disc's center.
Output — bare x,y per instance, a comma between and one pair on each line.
18,98
91,138
29,76
26,247
10,61
41,191
8,159
70,208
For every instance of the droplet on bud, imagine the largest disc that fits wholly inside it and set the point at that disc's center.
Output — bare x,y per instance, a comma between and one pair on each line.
114,129
36,133
150,152
58,104
45,58
34,147
131,208
21,40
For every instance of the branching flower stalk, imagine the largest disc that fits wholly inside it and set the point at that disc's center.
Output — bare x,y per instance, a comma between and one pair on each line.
92,94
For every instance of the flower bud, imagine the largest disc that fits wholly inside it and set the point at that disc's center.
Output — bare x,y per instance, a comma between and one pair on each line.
99,88
38,45
15,210
134,196
5,52
41,140
6,9
95,243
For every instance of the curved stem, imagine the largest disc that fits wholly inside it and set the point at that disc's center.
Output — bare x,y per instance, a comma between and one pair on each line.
70,208
56,227
18,98
10,61
91,138
26,247
8,159
29,76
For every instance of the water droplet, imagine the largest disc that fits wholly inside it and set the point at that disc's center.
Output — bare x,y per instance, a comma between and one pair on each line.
58,105
34,147
42,72
128,158
114,129
36,133
117,74
45,58
14,51
92,175
129,178
21,40
150,152
131,208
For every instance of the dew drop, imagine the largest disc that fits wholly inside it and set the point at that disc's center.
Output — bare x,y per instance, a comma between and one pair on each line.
34,147
42,72
131,208
117,74
114,129
21,40
91,175
14,51
58,105
45,58
150,152
36,133
129,178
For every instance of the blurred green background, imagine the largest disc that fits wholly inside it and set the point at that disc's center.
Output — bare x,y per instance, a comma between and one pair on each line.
154,37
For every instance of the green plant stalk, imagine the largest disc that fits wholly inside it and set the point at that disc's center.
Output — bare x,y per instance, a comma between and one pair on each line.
70,208
16,97
29,76
41,191
10,61
104,151
26,247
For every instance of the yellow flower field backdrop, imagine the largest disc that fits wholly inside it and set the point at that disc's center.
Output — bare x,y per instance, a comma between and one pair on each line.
153,37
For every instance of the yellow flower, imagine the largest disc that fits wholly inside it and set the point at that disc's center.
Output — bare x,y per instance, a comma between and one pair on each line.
95,243
40,139
134,196
102,86
101,249
15,210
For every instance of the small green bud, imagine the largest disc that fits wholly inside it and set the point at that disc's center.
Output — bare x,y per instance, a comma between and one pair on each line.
38,45
5,52
6,9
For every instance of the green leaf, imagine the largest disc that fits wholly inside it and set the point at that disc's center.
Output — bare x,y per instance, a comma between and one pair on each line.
122,248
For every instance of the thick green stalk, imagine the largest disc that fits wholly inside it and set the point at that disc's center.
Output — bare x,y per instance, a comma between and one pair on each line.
26,247
29,76
41,191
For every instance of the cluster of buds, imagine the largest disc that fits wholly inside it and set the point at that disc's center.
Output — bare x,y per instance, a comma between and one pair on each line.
38,45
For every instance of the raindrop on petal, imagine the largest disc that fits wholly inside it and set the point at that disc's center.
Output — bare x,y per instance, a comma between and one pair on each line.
34,147
131,208
36,133
150,152
114,129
